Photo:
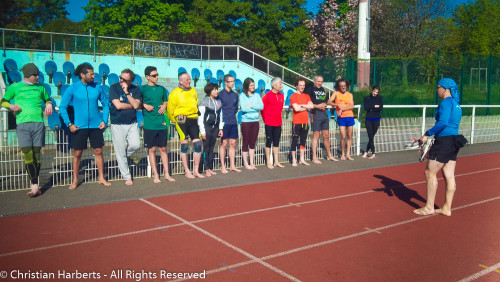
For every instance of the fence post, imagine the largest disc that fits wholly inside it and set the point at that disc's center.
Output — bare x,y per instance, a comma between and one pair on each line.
51,50
463,77
488,83
3,41
374,71
358,141
133,51
473,124
423,120
94,50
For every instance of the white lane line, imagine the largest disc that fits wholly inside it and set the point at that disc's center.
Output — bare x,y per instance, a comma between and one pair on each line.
320,244
227,244
479,274
220,217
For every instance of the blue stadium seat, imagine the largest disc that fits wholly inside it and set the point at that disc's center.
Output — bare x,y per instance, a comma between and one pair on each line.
240,116
195,75
48,88
104,71
97,78
261,85
54,121
329,113
288,95
63,89
208,74
41,77
68,69
59,80
220,75
140,118
233,73
13,76
213,80
238,86
137,80
9,65
180,70
50,69
113,78
106,90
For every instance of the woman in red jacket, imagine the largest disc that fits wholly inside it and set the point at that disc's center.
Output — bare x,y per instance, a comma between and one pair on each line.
271,114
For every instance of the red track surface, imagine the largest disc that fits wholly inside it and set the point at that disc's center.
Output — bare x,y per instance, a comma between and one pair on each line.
326,228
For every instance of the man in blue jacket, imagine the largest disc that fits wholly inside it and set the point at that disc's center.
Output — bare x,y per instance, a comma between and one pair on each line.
89,124
229,100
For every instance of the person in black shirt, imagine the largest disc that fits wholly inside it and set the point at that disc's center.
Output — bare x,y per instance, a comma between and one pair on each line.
373,105
319,119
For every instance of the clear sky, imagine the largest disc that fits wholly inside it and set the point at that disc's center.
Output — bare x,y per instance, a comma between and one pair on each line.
76,13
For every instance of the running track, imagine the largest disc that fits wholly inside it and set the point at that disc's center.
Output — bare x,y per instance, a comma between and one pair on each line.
355,226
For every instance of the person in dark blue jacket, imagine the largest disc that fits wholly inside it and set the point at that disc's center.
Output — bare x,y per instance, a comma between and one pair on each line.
373,105
443,153
89,124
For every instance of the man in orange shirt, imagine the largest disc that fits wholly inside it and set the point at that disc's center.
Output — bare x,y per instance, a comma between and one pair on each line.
301,103
343,101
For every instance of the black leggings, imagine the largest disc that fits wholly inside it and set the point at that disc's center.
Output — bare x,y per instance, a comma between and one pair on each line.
299,130
208,146
371,129
273,135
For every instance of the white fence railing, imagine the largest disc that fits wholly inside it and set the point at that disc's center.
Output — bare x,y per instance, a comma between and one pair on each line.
479,124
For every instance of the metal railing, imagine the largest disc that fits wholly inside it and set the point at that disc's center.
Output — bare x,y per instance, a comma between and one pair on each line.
393,134
53,42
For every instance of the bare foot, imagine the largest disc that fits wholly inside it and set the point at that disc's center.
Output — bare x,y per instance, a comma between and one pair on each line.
253,167
129,182
295,164
207,173
278,165
332,159
213,172
270,166
35,191
188,174
73,185
156,180
224,170
235,169
169,178
349,158
343,158
365,155
304,163
372,157
316,161
248,167
104,182
197,174
443,212
424,211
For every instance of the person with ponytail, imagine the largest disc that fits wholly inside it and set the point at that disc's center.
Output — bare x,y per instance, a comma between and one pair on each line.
443,153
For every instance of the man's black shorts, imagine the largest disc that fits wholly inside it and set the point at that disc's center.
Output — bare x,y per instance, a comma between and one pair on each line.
95,135
188,129
155,138
444,150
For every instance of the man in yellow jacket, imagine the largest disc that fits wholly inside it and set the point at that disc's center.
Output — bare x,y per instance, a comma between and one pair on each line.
182,109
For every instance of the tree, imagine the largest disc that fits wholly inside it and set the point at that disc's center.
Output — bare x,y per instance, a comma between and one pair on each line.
478,27
30,14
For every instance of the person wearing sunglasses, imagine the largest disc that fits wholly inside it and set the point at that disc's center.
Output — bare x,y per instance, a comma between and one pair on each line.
125,99
154,102
28,108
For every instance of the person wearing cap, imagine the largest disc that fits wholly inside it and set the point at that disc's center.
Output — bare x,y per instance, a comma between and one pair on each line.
443,153
89,124
28,108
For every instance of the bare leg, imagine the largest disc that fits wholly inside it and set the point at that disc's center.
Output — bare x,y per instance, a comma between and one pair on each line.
294,158
430,174
349,142
99,161
314,146
164,161
245,160
152,162
197,158
232,155
251,153
451,187
268,158
276,153
222,155
343,133
302,159
187,172
77,157
326,142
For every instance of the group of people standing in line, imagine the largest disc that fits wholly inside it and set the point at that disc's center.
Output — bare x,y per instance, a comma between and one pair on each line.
215,117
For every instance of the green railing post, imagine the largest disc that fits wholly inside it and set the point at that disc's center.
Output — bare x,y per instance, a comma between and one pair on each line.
488,83
374,71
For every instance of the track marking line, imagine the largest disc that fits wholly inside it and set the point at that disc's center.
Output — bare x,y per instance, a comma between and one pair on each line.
227,244
486,267
320,244
217,218
376,231
292,204
481,273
